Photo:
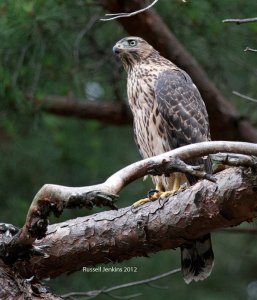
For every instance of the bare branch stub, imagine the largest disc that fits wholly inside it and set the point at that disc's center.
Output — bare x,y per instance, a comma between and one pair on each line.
250,49
240,21
50,199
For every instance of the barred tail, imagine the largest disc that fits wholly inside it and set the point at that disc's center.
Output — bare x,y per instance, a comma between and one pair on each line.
197,259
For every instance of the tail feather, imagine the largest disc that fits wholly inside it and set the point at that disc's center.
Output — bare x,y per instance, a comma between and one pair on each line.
197,259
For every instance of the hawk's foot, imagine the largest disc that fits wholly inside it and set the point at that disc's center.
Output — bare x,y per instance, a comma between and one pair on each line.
155,194
173,192
152,196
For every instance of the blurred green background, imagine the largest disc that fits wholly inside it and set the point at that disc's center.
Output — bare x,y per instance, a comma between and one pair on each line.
56,47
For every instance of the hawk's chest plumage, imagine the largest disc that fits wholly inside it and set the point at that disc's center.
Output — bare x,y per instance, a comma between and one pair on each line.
149,129
149,126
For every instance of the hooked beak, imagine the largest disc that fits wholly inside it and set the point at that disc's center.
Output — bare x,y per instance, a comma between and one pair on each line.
116,49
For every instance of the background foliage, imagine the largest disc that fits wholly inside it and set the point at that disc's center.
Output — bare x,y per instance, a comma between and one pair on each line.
60,48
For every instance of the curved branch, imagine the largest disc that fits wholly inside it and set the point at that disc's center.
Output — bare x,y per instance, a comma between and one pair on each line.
115,236
54,198
117,181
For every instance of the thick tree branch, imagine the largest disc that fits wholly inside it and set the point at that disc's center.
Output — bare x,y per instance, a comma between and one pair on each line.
116,236
151,27
109,112
55,198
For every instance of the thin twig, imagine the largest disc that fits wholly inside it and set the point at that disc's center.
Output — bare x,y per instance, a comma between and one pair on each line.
250,49
125,15
244,96
240,21
121,286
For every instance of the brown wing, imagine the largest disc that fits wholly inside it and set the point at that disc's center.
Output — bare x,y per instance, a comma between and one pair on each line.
183,112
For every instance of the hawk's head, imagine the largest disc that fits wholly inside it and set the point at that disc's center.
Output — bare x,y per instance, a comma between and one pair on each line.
132,49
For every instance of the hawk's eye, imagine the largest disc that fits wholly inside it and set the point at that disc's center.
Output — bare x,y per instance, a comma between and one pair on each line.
132,43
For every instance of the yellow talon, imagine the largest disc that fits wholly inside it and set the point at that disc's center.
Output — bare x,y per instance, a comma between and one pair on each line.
154,197
141,202
160,194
